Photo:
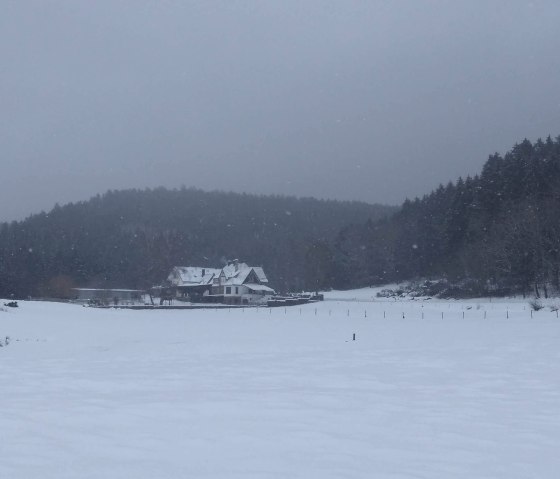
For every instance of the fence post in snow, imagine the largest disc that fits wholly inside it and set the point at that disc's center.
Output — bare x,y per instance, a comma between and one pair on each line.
463,315
315,311
348,313
531,313
383,314
507,313
365,313
442,315
485,314
354,337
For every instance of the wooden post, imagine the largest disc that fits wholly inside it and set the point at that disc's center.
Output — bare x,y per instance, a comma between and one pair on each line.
442,315
354,337
348,313
383,314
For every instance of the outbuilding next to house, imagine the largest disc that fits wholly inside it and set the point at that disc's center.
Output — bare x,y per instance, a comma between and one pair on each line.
108,296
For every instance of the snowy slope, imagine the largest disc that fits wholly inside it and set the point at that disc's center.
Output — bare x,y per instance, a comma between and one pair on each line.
281,393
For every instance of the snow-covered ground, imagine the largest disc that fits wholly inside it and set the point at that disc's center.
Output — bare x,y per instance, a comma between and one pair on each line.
282,393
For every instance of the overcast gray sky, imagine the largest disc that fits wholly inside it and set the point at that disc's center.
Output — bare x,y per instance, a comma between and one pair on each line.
368,100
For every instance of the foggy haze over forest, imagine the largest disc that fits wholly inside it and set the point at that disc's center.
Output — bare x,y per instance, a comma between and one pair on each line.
374,101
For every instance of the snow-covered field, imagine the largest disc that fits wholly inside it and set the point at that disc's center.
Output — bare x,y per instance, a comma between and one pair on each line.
282,393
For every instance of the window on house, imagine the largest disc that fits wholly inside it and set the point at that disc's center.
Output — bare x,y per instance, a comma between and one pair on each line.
228,290
236,290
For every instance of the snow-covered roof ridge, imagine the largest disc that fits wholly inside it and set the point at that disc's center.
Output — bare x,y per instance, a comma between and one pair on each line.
260,274
192,275
239,273
233,270
234,273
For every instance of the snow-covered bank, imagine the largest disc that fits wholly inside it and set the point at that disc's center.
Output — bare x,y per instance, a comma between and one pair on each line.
275,393
368,294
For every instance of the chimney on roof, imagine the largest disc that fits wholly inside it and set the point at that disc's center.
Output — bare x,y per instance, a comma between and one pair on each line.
203,271
236,264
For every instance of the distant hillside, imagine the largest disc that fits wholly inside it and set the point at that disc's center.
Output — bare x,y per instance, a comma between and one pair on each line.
132,238
498,232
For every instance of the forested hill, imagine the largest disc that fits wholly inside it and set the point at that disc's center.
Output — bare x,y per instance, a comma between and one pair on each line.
496,232
132,238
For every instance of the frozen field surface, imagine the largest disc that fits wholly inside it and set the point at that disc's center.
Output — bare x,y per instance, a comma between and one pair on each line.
281,393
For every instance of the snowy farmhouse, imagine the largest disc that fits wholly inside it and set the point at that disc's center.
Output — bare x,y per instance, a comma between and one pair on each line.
236,283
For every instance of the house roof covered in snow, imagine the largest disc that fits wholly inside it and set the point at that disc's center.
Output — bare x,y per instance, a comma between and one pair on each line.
260,274
192,275
259,287
236,274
